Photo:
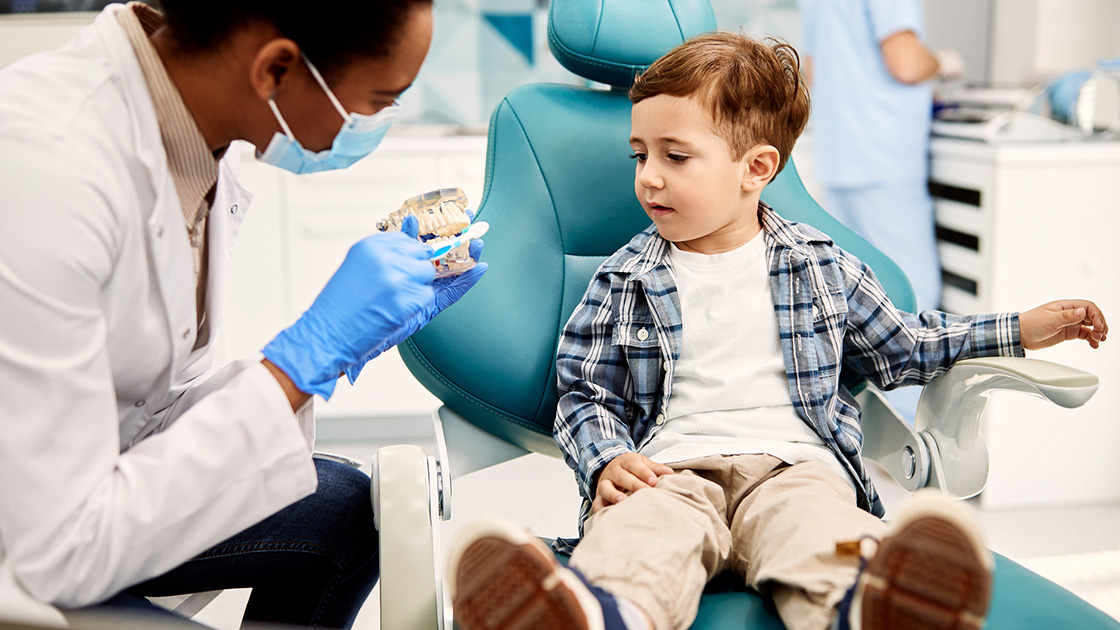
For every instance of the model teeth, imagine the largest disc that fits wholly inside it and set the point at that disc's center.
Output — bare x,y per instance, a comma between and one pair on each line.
440,213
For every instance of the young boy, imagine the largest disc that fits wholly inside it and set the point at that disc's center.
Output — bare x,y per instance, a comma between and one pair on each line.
701,405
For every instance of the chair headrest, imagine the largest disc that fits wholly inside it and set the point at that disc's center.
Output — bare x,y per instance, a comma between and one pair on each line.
611,41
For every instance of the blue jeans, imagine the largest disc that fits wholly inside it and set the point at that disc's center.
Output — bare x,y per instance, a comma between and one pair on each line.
312,564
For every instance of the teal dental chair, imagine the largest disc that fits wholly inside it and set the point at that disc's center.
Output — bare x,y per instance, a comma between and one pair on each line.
559,199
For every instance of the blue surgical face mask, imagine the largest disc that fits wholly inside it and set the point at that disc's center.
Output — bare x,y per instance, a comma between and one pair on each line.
359,136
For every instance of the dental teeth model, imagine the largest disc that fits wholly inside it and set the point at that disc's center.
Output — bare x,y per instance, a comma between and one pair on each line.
442,215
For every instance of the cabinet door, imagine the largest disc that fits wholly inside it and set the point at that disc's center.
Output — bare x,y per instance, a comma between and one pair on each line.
1036,223
962,197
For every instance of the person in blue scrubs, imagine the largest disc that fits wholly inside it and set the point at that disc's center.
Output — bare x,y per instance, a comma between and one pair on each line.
869,73
872,100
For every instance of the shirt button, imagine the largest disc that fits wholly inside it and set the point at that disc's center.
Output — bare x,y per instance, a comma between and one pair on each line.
233,210
186,333
643,334
140,403
665,365
660,419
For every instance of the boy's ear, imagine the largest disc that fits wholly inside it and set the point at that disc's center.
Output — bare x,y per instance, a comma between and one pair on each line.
761,164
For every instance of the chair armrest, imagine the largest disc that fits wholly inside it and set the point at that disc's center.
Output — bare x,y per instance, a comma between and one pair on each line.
889,440
405,517
949,411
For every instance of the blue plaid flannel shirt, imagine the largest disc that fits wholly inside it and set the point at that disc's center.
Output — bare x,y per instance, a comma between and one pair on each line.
617,352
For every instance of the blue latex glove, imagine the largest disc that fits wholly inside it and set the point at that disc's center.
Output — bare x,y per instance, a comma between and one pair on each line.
447,292
384,283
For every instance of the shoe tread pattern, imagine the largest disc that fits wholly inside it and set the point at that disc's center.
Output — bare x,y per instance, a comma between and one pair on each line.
501,587
926,577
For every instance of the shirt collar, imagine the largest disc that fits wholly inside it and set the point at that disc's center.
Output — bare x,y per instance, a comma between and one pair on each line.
648,249
793,235
194,169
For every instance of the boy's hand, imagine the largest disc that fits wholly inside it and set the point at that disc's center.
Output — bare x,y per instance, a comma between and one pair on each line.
1060,321
625,474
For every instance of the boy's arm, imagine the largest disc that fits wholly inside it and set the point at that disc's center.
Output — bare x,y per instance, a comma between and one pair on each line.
892,348
592,425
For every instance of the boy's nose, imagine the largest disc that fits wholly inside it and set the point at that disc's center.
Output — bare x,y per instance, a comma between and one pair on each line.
650,178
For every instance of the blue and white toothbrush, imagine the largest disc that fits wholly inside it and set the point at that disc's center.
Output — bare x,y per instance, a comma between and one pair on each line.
443,248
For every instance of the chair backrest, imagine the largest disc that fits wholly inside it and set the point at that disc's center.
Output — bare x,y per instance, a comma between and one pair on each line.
559,199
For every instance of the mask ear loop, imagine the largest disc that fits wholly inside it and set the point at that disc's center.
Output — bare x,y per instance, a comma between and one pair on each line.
323,84
279,118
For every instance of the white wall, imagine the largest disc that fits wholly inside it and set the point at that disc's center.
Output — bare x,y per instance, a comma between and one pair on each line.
1036,40
962,25
23,34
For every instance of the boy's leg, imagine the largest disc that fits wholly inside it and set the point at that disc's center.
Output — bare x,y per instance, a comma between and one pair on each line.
655,550
660,546
785,532
931,571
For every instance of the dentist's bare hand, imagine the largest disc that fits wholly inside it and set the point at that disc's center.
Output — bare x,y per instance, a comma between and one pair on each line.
1062,320
624,475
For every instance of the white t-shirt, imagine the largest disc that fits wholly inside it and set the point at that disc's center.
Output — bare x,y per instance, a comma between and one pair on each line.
730,392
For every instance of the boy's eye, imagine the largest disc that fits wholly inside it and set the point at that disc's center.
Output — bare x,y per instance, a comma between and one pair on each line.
641,157
679,159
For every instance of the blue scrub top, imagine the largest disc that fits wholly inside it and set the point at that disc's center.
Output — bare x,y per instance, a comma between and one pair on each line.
867,127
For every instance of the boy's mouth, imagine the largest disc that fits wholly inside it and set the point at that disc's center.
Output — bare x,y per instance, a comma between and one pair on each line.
658,209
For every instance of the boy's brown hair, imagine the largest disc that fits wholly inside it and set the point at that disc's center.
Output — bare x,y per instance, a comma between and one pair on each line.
753,89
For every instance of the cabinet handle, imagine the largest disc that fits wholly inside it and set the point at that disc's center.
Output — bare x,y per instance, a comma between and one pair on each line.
956,237
968,196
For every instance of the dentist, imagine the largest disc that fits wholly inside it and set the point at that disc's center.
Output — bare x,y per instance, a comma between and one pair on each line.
131,465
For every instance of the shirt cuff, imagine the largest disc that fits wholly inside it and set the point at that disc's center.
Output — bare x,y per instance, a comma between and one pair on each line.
595,459
995,335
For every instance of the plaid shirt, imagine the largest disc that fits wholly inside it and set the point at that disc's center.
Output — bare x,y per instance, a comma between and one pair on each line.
617,353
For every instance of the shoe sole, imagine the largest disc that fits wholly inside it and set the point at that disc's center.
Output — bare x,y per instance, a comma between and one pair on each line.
931,573
504,579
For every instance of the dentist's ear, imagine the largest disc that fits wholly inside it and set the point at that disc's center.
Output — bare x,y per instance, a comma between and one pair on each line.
272,65
761,165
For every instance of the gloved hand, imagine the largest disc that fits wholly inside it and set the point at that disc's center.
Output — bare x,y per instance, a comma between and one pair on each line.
447,292
950,64
384,283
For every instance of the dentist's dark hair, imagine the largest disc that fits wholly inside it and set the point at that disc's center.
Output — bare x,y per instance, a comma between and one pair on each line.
331,34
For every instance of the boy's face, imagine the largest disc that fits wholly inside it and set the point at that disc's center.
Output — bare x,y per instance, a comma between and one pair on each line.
686,180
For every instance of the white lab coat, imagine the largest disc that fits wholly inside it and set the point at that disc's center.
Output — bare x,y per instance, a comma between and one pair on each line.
122,452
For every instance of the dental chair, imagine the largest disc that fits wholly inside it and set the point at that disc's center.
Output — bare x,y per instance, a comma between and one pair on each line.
559,199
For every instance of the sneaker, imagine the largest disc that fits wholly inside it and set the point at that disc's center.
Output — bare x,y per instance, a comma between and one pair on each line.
502,578
931,572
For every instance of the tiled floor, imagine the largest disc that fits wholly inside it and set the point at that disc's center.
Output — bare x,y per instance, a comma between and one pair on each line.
1077,547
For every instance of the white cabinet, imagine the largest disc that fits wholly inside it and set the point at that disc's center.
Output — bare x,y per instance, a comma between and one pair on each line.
1020,225
298,232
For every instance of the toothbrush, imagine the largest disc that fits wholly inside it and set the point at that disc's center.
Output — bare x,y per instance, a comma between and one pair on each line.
476,230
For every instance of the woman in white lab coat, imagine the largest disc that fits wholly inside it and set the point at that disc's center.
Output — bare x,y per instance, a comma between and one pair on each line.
129,464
